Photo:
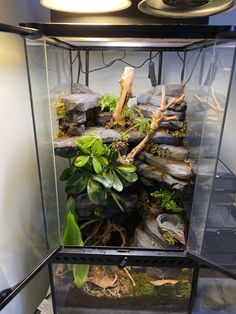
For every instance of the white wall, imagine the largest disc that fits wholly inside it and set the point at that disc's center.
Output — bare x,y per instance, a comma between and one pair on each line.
22,242
226,18
17,11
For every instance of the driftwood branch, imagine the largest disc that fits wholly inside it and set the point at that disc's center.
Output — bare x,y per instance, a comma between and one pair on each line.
157,118
126,84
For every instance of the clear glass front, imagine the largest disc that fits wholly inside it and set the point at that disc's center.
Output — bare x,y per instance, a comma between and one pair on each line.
132,144
109,289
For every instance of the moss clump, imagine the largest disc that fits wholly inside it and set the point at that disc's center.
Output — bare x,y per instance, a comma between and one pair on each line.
155,149
60,109
181,289
168,238
180,133
143,286
60,106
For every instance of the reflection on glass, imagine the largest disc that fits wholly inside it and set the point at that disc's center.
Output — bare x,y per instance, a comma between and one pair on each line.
215,294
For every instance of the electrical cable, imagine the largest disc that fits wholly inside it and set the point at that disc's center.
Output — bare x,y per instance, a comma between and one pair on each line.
107,65
194,66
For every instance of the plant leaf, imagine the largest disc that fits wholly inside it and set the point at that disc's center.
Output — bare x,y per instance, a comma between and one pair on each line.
71,233
104,282
109,178
81,161
127,168
97,166
103,160
96,192
80,185
76,184
101,179
98,148
80,273
85,142
119,201
117,184
129,176
67,173
161,282
114,156
70,205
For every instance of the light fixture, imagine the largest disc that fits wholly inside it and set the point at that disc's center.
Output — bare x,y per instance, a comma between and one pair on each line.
184,8
86,6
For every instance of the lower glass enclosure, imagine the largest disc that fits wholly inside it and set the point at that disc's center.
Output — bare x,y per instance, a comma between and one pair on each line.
109,289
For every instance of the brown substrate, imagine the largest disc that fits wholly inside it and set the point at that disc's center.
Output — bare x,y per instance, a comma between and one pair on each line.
79,299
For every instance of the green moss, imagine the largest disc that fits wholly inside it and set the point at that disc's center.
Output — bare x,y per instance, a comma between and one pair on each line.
143,286
60,109
180,133
155,149
181,289
168,238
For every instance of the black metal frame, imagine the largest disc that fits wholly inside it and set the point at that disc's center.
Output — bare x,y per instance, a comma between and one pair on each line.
143,30
123,257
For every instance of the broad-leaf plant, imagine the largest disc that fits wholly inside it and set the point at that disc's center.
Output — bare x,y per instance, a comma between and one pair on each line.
96,171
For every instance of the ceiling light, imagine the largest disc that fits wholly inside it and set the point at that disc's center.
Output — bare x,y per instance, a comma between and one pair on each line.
86,6
184,8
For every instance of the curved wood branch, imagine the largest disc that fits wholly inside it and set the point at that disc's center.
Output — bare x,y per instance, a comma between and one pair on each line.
157,118
126,83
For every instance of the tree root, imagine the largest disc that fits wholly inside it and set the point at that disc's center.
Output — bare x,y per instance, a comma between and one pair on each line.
101,233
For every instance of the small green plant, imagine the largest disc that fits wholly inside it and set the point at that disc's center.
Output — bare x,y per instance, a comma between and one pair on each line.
71,235
108,102
96,169
168,238
142,123
168,200
128,113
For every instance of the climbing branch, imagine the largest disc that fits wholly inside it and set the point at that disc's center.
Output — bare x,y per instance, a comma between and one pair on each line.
126,84
157,118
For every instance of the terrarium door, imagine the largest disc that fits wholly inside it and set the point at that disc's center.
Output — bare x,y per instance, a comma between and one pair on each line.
24,245
213,225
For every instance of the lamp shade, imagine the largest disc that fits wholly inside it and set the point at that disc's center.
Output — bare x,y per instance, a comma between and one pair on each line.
86,6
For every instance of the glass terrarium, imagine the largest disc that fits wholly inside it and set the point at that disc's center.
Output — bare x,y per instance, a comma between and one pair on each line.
129,131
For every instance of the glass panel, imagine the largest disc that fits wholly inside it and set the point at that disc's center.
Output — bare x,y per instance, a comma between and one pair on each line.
108,289
45,80
212,225
23,241
215,293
